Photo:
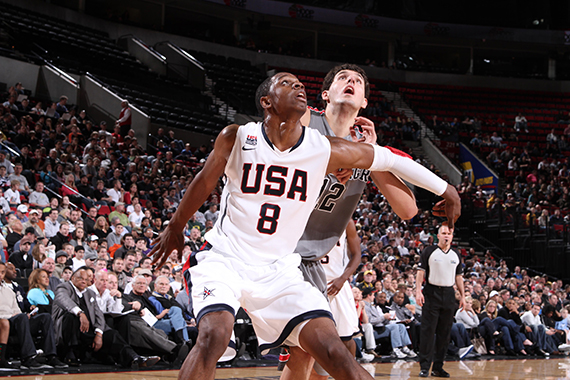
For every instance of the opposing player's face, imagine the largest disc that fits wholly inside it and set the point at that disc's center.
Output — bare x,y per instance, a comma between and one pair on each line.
286,94
348,87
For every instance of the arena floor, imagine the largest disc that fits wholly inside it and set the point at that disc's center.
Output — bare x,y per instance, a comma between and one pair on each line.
544,369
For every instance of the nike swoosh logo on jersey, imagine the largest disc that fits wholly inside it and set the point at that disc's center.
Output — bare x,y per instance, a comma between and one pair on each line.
246,148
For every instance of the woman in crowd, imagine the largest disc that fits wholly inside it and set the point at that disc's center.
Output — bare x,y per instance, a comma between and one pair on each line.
491,326
78,238
39,253
39,295
101,228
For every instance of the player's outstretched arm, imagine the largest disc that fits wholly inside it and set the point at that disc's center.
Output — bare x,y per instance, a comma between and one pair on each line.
400,197
353,245
172,237
377,158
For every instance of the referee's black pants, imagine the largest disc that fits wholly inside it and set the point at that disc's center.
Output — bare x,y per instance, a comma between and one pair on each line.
437,317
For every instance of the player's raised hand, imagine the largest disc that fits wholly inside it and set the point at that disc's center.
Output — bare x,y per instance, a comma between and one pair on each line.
168,241
367,128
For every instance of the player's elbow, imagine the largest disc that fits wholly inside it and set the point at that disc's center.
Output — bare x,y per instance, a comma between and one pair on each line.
406,212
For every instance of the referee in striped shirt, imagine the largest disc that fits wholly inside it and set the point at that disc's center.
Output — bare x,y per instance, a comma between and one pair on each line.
441,267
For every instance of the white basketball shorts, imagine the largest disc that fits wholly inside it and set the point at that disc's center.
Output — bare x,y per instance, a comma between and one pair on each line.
343,309
277,299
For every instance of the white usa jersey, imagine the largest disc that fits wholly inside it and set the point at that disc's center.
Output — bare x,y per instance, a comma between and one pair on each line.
334,263
268,195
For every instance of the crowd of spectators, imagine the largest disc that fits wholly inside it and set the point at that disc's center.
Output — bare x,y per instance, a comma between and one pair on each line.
79,208
537,177
507,309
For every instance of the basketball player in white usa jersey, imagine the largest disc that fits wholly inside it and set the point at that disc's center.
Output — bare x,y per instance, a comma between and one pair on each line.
345,91
274,172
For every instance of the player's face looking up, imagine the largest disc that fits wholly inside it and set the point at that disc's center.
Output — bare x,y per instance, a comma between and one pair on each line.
286,94
348,87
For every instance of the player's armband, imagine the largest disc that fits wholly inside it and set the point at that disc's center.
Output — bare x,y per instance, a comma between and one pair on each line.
407,169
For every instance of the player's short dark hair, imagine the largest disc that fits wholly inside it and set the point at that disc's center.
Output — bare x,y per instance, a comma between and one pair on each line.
262,90
329,78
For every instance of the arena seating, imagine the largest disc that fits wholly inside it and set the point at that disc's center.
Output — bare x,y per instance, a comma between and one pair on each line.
235,80
79,50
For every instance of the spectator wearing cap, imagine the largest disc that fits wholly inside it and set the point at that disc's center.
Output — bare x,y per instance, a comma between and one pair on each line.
495,296
21,212
62,236
146,291
119,213
22,259
30,235
92,244
178,283
12,195
90,260
24,186
51,224
34,222
368,281
60,263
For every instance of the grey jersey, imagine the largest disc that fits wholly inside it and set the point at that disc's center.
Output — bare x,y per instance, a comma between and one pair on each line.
334,207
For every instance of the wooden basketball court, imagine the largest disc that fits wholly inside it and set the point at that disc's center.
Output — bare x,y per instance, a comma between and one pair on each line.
544,369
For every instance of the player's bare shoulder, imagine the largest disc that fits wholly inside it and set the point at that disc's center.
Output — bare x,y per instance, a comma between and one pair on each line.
226,138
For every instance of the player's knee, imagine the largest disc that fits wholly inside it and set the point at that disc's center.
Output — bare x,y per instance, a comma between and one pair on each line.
335,352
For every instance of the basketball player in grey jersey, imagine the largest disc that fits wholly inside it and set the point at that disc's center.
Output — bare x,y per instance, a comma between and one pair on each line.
345,91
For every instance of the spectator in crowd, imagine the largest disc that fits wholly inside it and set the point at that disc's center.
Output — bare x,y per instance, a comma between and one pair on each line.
169,313
62,236
40,295
119,212
48,265
13,194
124,122
61,107
34,220
101,228
23,259
52,225
521,123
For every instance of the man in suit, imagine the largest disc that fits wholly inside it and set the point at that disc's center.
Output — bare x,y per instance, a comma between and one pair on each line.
80,326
